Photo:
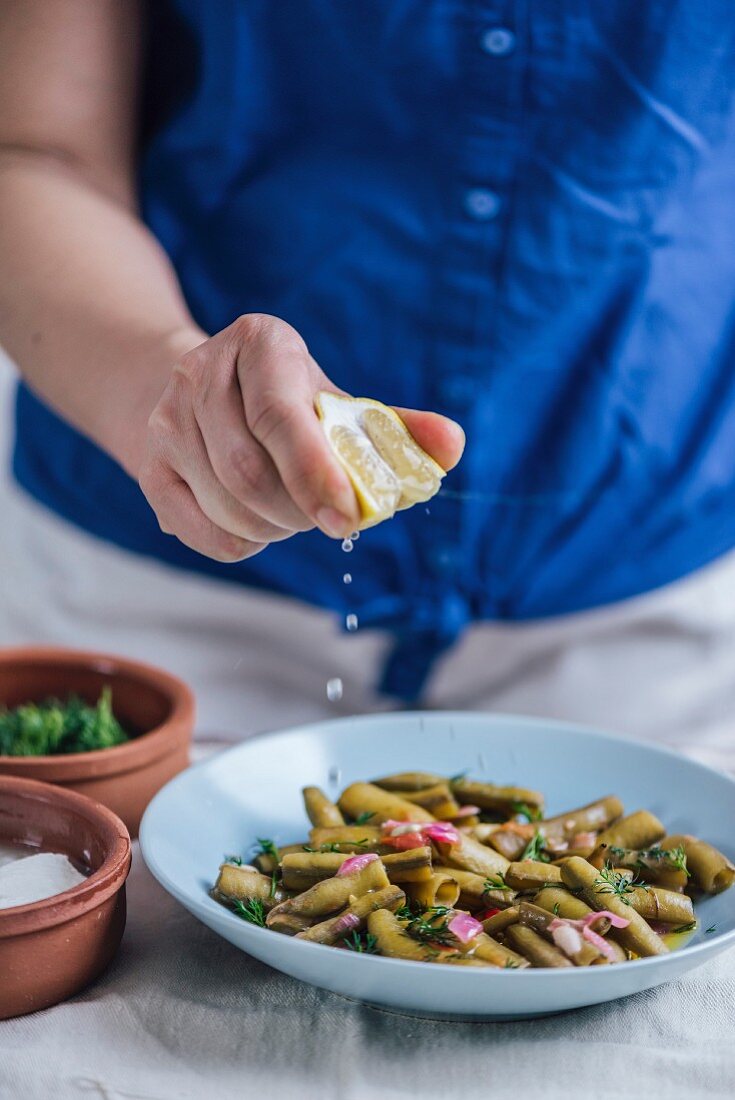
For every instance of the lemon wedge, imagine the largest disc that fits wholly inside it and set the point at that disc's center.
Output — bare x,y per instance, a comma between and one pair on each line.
387,468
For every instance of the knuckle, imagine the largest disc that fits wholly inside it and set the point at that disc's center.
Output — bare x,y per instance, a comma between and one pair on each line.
190,366
270,416
248,471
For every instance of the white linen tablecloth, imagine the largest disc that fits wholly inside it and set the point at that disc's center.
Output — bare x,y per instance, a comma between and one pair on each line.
183,1015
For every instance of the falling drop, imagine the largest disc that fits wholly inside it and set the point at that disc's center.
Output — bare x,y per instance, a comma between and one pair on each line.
355,536
347,578
351,622
347,545
334,690
428,511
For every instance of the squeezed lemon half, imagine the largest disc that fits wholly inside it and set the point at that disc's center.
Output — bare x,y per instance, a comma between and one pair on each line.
387,468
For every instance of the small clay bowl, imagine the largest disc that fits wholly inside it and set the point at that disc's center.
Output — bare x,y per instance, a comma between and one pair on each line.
51,949
157,709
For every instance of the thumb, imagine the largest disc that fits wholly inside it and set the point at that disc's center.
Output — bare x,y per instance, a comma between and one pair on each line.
439,436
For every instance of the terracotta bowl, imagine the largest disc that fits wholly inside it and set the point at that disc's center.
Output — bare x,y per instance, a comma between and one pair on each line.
155,707
51,949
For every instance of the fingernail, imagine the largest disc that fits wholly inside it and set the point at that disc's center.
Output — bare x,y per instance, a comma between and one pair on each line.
333,523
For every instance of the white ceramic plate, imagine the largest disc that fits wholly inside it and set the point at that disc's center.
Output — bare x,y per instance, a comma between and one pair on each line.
219,807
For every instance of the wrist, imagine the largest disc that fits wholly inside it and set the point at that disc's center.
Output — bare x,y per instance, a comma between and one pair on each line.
129,410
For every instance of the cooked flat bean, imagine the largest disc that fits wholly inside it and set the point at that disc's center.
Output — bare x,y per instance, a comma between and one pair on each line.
243,883
361,798
349,838
638,830
437,800
578,874
511,843
333,893
492,798
469,855
439,889
535,948
320,809
413,865
393,941
711,871
561,903
655,903
408,781
301,870
288,924
590,818
585,953
498,922
265,862
657,864
343,925
474,890
529,874
497,954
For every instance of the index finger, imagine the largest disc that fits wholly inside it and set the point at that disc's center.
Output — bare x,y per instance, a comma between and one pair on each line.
278,386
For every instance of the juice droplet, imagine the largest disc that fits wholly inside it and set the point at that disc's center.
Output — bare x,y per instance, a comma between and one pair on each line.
351,622
355,536
334,690
347,545
347,578
428,511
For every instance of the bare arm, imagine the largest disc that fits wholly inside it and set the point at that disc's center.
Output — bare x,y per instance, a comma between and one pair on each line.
89,305
220,432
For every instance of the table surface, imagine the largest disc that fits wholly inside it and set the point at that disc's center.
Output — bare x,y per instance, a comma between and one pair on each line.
183,1014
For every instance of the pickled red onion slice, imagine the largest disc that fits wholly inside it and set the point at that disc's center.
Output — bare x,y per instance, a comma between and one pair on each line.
356,863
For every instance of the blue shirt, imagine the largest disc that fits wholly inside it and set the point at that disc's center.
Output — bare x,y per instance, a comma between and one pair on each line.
519,214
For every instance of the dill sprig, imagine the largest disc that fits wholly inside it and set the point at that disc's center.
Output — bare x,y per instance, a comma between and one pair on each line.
459,776
685,927
237,860
712,928
266,847
252,910
495,882
336,845
363,942
364,817
428,926
522,809
511,964
610,881
534,849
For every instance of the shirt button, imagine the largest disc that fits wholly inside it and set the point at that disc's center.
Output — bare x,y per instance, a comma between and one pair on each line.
498,41
481,204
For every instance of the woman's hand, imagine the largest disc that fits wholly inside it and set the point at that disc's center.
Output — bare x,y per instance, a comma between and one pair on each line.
235,456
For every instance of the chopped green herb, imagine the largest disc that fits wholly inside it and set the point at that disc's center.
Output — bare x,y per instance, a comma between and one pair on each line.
685,927
618,883
712,928
675,858
510,964
428,927
522,809
363,818
534,849
556,909
252,910
363,942
459,776
266,847
495,882
55,727
237,860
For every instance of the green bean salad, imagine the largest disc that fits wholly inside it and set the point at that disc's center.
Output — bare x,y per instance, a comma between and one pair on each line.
463,873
